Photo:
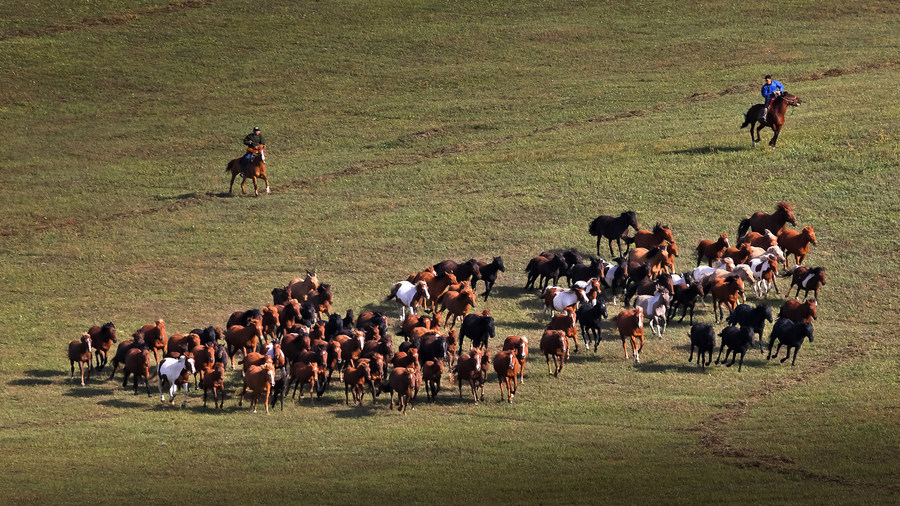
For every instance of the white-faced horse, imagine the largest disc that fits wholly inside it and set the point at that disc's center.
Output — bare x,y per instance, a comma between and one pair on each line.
175,371
409,296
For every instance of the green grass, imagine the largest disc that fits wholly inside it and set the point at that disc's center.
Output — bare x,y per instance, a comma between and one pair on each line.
401,134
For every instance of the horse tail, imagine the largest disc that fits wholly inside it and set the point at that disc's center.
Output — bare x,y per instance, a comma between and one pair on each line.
393,293
746,118
743,227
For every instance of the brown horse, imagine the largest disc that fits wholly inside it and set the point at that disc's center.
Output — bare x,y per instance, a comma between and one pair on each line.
507,366
660,235
796,243
760,221
774,119
255,169
711,250
630,324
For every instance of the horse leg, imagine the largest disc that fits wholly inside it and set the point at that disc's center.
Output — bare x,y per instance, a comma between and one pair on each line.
794,361
233,177
266,179
719,358
625,348
774,140
256,193
611,251
547,356
741,363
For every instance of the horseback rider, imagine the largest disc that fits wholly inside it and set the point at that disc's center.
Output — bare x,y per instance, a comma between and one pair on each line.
253,140
769,91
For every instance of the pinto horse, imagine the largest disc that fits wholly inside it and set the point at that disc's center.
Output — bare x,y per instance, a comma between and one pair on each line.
255,169
760,221
613,228
774,119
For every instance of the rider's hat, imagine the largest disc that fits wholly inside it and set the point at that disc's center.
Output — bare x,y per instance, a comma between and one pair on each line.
256,129
768,77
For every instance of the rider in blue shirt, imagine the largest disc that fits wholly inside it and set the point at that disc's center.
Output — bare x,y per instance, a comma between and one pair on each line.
769,91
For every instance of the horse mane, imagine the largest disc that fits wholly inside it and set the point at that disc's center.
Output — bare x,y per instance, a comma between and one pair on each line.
786,207
657,229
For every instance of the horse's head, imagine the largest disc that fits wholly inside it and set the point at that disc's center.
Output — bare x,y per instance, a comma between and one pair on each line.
262,152
631,218
807,231
498,261
766,311
788,211
791,100
110,329
813,306
86,339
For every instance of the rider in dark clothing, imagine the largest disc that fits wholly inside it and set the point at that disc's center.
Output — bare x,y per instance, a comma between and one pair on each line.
252,141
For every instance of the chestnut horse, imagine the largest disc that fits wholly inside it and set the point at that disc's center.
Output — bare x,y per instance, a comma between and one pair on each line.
796,243
255,169
760,221
774,119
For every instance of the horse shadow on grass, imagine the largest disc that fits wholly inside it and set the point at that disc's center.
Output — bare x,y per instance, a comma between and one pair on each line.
125,404
364,411
707,150
87,391
505,292
38,377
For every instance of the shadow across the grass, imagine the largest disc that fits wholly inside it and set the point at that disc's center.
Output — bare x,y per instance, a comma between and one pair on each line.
707,150
87,391
38,377
126,404
364,411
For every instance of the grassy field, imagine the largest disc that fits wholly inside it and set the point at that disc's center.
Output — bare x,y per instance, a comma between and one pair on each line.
404,133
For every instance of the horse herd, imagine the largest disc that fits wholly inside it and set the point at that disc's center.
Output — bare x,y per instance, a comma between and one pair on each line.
298,342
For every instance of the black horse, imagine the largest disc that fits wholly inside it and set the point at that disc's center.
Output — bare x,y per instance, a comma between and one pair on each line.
478,328
589,317
545,266
489,274
432,347
209,335
613,228
465,271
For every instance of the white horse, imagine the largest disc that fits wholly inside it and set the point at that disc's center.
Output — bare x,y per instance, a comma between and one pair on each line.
409,296
773,250
170,370
558,298
705,270
655,308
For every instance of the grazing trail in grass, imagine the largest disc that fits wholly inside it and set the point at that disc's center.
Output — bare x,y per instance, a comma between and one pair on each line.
193,199
714,436
112,19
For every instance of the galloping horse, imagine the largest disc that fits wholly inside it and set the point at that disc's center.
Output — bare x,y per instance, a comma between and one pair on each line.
775,118
255,169
775,222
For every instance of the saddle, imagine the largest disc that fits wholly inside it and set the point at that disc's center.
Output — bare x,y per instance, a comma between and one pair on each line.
248,157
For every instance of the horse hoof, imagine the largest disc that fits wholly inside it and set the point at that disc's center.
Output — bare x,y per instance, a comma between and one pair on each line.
268,190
